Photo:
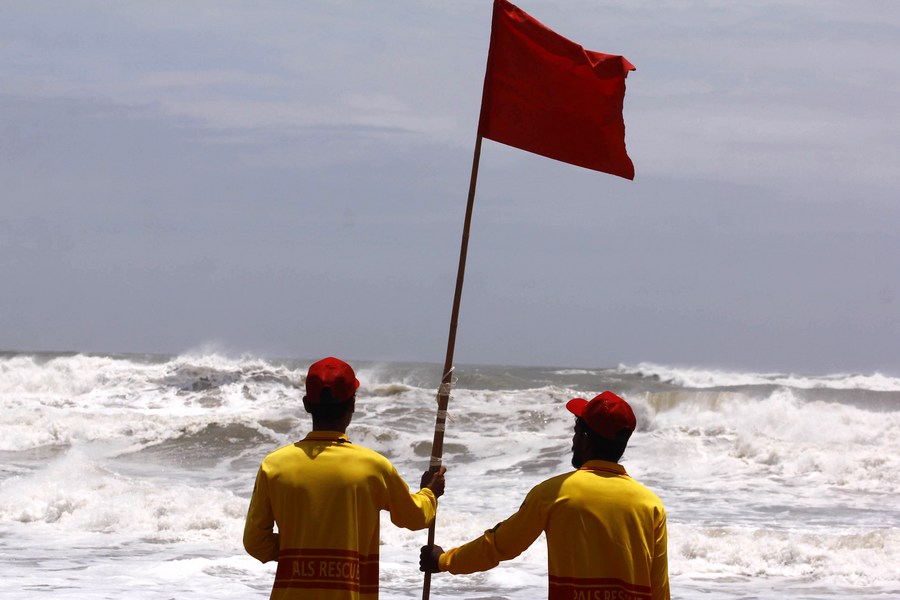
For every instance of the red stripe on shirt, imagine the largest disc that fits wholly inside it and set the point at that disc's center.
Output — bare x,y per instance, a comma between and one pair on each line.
582,588
327,568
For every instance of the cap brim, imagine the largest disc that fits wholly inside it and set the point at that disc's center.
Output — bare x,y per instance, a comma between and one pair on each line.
576,406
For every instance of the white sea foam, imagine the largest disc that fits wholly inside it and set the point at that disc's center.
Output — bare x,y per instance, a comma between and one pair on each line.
80,493
702,378
838,557
575,372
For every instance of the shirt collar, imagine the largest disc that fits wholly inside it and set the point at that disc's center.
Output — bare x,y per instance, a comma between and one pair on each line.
326,436
603,465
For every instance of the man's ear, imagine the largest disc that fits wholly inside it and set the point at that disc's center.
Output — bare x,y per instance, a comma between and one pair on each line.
306,404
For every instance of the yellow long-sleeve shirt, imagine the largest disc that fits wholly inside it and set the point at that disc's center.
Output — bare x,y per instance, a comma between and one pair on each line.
606,537
325,495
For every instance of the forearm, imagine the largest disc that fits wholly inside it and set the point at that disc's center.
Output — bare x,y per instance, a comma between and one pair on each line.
659,570
415,511
480,554
505,541
261,544
260,540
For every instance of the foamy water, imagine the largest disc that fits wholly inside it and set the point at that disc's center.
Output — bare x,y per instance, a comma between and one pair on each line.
130,476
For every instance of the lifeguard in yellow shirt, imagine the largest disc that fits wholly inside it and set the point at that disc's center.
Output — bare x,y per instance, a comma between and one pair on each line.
606,533
325,494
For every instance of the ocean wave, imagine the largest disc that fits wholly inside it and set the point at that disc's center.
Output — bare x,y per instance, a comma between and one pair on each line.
849,558
77,493
708,378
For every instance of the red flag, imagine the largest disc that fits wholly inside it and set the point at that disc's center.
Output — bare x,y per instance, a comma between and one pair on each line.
548,95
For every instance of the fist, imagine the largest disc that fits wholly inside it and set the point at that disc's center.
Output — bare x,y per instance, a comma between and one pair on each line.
429,557
434,481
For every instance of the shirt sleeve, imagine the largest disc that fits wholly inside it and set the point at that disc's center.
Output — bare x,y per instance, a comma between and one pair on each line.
659,569
506,540
260,539
410,511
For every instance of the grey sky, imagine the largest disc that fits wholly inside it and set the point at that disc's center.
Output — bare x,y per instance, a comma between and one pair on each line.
289,179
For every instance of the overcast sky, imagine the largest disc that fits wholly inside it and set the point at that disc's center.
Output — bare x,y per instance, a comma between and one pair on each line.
289,179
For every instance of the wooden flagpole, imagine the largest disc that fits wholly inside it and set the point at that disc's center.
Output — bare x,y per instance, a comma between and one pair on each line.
443,396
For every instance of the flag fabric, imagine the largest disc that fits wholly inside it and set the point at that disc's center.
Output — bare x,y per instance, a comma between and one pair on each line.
546,94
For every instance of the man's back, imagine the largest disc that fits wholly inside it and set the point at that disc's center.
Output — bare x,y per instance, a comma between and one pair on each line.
605,533
325,495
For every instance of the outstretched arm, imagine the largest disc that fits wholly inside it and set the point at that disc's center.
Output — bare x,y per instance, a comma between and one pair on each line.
505,541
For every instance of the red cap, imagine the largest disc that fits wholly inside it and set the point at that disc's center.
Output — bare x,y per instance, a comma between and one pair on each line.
332,374
606,414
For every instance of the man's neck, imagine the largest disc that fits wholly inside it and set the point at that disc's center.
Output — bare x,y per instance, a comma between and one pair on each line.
328,425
